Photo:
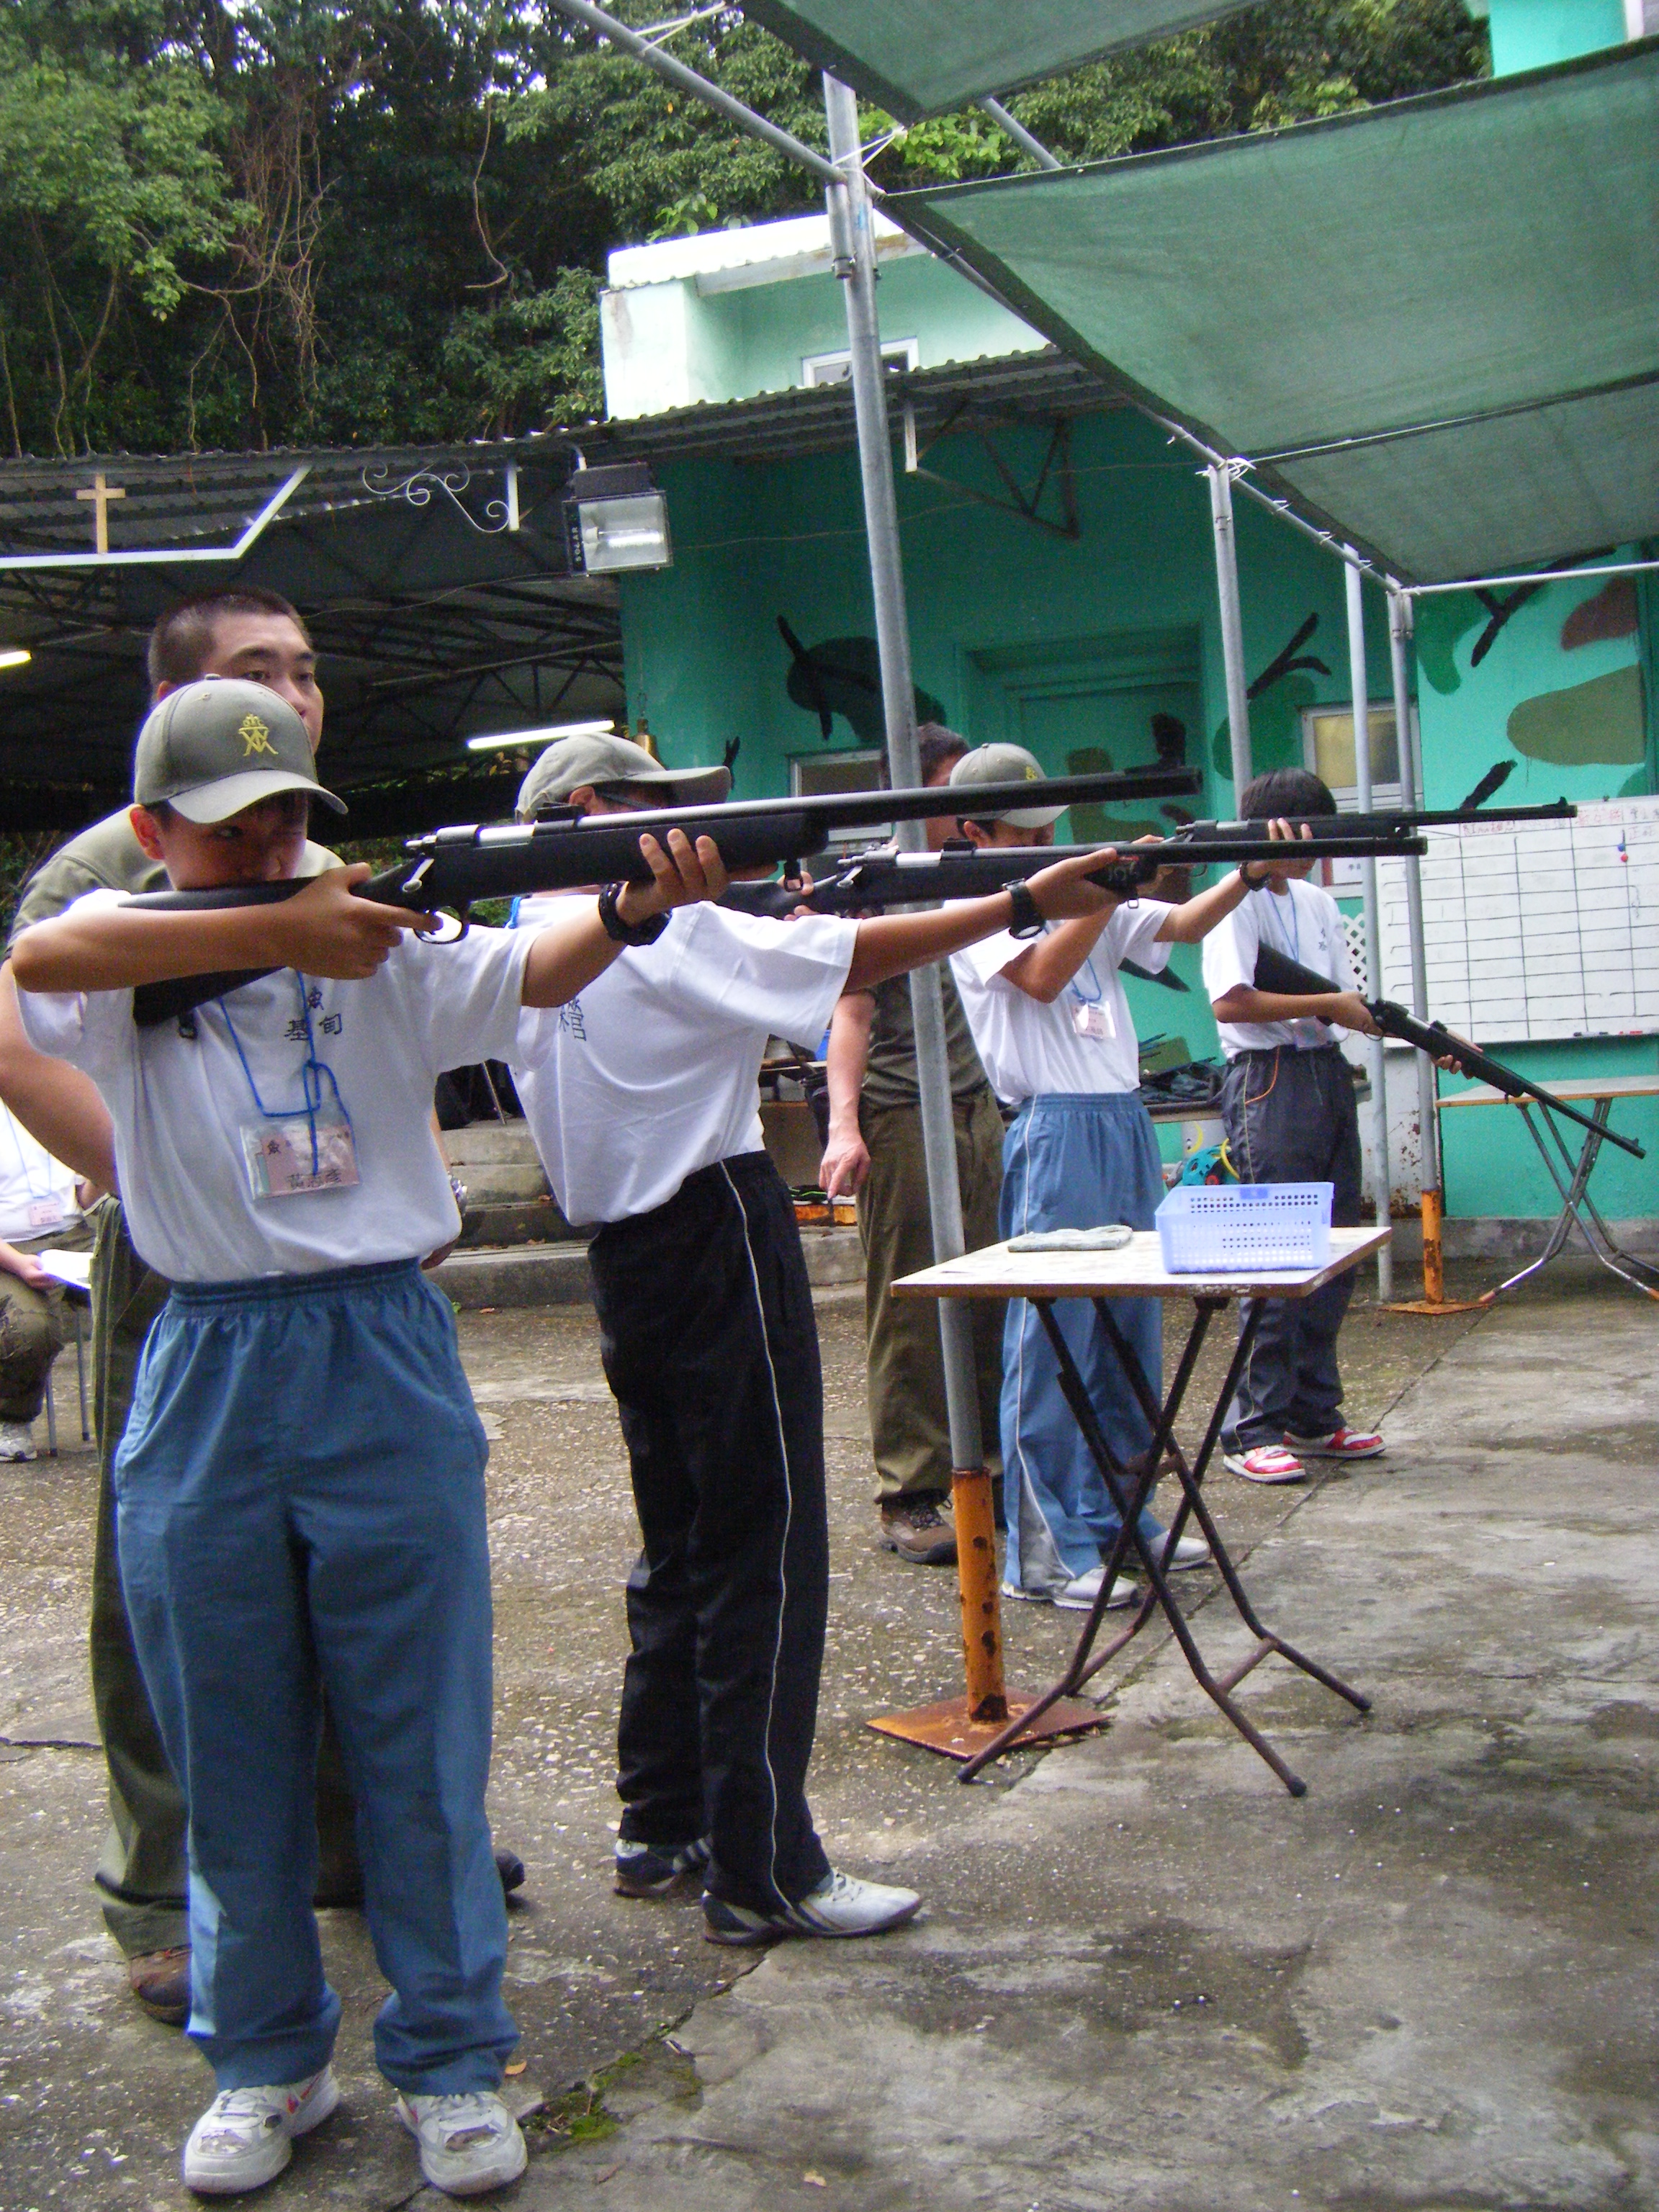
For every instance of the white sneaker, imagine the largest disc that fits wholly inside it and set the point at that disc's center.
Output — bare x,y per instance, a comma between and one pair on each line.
840,1905
246,2136
16,1440
1079,1593
470,2142
1189,1551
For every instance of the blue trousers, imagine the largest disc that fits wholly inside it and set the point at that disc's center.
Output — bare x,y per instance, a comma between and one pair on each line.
301,1504
1073,1160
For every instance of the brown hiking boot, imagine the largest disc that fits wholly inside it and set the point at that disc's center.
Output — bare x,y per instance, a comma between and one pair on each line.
918,1530
160,1982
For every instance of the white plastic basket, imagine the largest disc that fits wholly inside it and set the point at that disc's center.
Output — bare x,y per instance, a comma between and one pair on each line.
1231,1228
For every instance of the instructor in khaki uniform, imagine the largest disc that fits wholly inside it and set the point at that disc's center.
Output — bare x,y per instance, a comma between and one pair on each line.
875,1149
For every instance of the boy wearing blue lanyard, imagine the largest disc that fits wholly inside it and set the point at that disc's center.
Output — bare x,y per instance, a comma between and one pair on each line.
301,1483
1289,1108
1052,1028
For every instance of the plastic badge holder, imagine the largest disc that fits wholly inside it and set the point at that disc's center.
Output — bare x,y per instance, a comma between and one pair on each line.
1236,1228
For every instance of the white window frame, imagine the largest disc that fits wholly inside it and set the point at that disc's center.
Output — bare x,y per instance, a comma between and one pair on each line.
819,368
1346,877
842,840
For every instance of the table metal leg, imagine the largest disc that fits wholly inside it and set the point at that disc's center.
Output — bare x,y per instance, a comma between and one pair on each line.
1192,1481
1575,1202
1129,1493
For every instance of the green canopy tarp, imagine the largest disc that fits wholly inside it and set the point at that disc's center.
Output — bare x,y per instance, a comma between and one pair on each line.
917,57
1434,324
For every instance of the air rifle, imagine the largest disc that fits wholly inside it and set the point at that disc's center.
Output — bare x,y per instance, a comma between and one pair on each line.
452,869
1274,971
865,883
1402,822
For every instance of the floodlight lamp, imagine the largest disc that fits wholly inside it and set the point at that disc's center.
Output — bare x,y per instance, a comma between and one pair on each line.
15,656
523,738
615,518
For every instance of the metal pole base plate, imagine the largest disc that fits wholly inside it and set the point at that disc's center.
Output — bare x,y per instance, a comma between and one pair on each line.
947,1727
1439,1305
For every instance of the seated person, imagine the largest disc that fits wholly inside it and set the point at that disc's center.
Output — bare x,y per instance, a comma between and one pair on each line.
39,1206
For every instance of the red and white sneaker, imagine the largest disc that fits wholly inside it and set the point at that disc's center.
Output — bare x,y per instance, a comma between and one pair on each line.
1342,1443
1265,1463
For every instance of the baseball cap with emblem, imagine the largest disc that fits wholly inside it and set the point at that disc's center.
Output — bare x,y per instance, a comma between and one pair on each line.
215,746
594,756
1003,764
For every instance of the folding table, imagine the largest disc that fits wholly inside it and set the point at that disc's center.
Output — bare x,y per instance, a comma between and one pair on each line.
1137,1271
1573,1184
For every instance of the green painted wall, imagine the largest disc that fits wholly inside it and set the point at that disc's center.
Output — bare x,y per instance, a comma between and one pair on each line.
1069,644
755,338
1534,33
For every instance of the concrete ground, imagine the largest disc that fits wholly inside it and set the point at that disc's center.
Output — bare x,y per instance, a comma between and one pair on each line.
1144,1977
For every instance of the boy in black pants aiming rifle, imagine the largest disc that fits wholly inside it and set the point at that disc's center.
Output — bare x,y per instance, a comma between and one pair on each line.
1289,1109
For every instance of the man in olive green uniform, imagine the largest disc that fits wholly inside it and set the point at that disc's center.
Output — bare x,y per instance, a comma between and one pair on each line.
875,1148
142,1869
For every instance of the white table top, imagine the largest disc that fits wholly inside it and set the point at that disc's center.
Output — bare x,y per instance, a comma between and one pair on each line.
1575,1088
1134,1271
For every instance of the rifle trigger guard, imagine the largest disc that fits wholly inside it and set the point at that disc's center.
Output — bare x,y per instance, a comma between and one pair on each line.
463,920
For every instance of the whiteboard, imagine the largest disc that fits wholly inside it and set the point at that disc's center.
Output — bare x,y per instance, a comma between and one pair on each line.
1535,929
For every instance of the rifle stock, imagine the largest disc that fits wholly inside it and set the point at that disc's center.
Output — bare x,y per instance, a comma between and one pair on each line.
1276,971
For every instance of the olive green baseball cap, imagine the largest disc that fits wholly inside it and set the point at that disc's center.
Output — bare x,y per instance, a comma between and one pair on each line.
1003,764
597,758
215,746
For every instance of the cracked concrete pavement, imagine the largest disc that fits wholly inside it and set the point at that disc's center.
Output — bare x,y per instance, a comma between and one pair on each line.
1145,1978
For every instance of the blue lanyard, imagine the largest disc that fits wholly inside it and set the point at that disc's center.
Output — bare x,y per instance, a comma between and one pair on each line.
1082,996
313,1073
1291,938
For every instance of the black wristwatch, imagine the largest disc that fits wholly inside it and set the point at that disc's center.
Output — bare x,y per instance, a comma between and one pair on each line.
622,932
1244,867
1027,917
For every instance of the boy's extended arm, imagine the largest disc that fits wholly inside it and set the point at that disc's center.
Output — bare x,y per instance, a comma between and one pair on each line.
59,1106
322,930
1187,923
846,1159
573,948
892,944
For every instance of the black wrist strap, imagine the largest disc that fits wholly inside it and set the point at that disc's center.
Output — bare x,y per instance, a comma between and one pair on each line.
622,932
1027,918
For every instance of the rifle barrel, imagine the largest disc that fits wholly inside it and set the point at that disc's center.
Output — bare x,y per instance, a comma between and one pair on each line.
1404,823
1275,971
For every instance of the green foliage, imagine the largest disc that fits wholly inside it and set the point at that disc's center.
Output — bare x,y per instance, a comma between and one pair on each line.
243,222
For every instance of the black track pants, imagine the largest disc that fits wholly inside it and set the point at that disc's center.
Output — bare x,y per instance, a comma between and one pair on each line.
709,1344
1291,1117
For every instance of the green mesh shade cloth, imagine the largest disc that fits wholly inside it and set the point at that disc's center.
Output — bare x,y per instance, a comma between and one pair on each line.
1434,325
917,57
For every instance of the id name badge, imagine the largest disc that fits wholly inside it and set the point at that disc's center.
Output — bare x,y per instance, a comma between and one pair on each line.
1093,1021
45,1213
281,1161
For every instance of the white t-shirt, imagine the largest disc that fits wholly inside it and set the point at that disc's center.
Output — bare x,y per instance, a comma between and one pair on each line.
1086,1040
650,1074
37,1193
1306,924
180,1105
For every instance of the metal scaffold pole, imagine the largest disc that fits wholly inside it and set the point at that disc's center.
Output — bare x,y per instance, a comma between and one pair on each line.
1433,1300
1362,762
853,248
1232,624
950,1727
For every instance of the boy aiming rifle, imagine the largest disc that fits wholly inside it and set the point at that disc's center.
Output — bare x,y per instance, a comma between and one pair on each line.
301,1482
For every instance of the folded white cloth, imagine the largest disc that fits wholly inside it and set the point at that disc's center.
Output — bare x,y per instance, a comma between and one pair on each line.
1111,1237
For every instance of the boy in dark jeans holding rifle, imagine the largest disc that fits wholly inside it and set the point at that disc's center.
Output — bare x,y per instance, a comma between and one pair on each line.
1288,1106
